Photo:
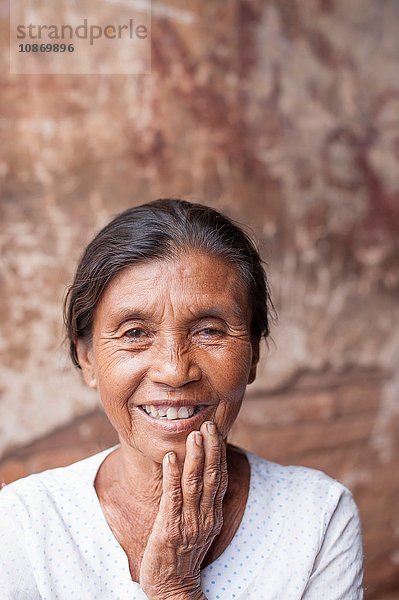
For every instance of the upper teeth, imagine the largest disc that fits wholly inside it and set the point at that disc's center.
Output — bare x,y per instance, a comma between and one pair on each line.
184,412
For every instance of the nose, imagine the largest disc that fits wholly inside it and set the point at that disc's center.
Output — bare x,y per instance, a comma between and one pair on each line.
173,366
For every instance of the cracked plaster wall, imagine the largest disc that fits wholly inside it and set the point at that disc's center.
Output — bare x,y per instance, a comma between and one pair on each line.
286,116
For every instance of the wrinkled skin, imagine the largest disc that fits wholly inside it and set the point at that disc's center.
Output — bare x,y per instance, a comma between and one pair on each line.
170,330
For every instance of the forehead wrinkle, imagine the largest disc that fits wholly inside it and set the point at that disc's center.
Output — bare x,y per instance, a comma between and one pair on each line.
196,310
148,290
176,294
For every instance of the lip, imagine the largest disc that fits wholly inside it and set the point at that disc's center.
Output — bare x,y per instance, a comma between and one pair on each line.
192,423
175,403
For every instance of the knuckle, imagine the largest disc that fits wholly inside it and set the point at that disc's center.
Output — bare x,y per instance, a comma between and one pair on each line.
193,484
189,546
213,474
172,535
174,496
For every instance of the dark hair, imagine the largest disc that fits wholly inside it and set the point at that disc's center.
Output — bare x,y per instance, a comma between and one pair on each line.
159,230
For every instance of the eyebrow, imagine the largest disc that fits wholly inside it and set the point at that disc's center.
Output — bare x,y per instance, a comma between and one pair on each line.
218,313
127,314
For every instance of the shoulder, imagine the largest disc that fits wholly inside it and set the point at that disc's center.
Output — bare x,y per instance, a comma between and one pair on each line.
292,477
305,523
51,483
300,491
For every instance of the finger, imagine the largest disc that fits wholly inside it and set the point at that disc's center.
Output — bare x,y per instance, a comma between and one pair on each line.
212,467
171,499
218,510
191,482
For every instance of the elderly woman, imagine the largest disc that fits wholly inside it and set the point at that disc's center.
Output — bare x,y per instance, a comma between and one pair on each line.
165,317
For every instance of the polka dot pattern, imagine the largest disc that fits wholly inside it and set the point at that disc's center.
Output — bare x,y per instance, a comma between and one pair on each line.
299,538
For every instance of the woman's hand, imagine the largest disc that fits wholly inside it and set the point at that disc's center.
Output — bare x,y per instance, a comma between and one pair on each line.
189,518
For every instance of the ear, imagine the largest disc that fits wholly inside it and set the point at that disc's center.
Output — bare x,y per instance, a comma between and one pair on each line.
254,362
86,360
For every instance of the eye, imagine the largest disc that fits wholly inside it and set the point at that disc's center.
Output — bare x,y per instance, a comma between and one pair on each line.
135,334
210,331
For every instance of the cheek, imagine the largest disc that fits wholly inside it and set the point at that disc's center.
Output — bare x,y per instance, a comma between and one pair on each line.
232,368
118,373
230,379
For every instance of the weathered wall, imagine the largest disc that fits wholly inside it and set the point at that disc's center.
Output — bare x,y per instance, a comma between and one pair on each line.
286,116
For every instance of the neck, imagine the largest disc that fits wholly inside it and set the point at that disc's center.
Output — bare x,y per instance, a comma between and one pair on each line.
134,476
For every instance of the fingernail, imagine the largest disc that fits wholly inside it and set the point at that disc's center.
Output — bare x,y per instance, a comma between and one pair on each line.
172,457
198,438
211,427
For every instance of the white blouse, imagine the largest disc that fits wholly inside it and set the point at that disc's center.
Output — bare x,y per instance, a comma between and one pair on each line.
299,537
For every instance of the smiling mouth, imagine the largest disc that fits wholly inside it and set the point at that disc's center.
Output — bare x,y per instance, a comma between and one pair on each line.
171,413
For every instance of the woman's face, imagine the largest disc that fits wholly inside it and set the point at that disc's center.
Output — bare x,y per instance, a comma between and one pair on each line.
171,336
